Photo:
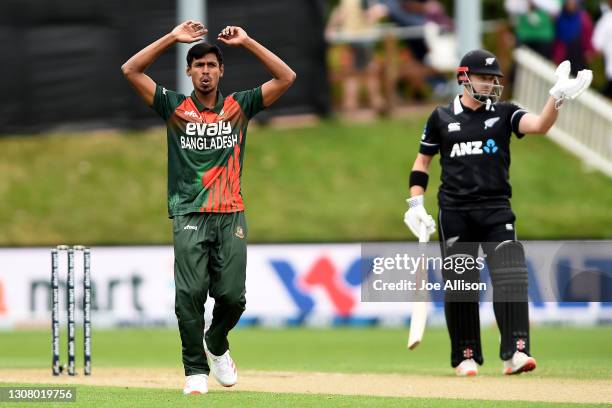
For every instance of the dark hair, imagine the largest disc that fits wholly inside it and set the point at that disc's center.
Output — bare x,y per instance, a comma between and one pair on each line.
201,49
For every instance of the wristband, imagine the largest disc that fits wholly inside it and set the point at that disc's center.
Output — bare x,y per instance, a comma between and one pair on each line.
419,178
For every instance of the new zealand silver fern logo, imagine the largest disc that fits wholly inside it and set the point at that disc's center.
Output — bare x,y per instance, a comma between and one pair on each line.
489,123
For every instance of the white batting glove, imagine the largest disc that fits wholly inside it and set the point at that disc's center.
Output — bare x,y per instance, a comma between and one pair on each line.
416,216
566,88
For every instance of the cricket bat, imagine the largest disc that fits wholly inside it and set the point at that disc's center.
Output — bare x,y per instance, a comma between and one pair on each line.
418,319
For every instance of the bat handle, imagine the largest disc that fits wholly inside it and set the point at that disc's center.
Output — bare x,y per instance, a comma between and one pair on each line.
423,234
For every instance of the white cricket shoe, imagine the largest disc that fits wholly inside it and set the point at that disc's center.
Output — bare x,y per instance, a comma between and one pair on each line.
519,363
222,368
467,368
196,384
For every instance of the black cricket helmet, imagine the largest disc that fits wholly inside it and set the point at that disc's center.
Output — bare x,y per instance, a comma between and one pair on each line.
480,62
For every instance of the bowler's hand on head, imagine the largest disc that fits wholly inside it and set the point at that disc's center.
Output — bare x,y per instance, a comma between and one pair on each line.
232,35
189,31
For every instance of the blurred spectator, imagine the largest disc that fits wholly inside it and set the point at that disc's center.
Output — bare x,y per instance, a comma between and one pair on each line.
351,17
574,29
534,24
408,14
602,42
413,69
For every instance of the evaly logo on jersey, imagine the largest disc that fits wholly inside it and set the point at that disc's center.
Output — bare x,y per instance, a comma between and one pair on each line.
473,148
208,129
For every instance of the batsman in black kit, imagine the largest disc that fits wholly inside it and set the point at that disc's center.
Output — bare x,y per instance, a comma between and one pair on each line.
472,135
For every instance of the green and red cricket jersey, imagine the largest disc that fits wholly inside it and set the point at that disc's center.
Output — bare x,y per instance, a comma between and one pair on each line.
206,149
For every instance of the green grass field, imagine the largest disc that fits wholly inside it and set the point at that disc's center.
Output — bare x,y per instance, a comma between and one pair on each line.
331,350
331,182
118,397
562,353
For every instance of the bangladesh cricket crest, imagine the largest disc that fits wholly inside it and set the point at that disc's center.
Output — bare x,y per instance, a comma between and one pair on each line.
239,232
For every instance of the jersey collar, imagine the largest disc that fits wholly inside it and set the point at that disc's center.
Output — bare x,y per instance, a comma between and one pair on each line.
218,105
458,106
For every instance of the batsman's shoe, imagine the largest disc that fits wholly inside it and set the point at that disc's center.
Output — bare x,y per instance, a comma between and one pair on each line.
196,384
519,363
467,368
222,368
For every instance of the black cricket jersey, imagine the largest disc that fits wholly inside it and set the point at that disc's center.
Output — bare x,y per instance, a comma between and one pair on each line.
474,147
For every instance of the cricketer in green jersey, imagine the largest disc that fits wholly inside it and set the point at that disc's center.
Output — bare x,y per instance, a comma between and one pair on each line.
206,140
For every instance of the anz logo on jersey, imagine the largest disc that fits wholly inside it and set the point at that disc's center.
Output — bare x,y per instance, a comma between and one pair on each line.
474,148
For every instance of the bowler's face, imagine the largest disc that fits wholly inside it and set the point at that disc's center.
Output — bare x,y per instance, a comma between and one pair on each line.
205,73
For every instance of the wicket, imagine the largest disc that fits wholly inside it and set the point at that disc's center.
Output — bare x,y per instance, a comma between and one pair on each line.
55,323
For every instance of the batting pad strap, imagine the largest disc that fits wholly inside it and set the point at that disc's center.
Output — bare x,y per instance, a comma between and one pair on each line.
418,178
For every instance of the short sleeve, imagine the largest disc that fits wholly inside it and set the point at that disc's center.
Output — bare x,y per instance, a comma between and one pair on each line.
166,101
515,115
250,101
430,139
